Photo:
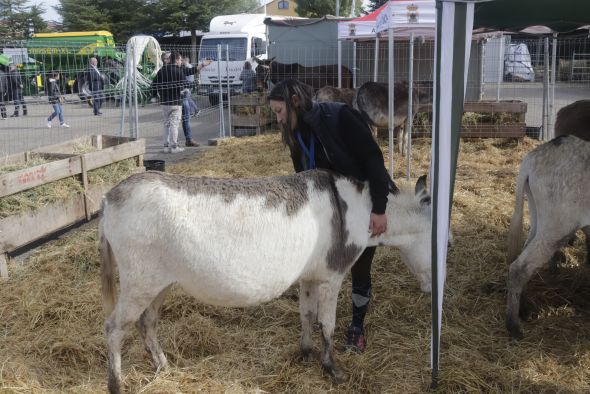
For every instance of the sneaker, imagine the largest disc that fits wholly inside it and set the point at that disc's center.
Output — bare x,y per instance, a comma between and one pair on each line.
49,124
191,143
67,126
165,150
178,149
355,340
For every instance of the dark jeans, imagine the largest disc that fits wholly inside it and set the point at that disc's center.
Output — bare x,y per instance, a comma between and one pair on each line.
18,101
186,117
97,100
361,286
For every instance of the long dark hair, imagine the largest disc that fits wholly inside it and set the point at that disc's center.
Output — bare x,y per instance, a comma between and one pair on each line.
284,91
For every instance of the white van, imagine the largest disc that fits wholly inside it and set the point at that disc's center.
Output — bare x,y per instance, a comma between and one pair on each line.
245,36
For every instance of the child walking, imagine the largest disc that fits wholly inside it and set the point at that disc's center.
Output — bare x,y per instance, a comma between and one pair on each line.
55,99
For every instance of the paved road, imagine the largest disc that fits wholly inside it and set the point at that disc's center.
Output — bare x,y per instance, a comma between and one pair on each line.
23,133
31,131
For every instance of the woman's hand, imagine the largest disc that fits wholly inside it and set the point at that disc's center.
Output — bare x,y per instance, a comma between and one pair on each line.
377,224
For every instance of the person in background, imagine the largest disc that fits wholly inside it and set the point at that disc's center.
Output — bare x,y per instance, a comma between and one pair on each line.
3,92
186,118
248,78
55,99
333,136
95,81
15,90
193,108
168,85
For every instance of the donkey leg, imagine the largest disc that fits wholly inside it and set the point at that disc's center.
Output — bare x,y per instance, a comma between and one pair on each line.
536,253
374,130
128,309
328,296
401,140
147,327
308,309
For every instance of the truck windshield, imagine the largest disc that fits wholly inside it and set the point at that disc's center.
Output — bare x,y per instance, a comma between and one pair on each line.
237,48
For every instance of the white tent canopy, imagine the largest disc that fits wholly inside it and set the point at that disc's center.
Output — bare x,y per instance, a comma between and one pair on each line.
407,17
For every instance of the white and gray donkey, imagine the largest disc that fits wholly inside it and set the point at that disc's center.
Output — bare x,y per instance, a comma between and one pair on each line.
555,178
243,242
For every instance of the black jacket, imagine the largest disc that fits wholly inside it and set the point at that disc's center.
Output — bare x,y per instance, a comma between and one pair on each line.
53,92
15,85
169,82
345,145
95,79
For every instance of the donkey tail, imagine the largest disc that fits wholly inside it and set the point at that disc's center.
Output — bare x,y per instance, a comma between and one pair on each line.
515,232
107,271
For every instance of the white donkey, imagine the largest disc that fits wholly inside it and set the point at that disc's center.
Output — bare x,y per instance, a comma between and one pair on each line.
555,178
242,242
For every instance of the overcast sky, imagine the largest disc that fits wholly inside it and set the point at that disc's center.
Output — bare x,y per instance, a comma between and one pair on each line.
50,14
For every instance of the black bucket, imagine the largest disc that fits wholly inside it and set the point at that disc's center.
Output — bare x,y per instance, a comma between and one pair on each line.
533,132
154,165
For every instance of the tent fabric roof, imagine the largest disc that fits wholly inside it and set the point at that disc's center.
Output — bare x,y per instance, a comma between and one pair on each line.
559,15
365,27
370,17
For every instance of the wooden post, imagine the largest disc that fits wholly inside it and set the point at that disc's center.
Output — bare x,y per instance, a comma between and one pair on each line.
85,185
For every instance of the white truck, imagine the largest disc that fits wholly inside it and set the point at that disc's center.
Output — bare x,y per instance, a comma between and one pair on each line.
246,37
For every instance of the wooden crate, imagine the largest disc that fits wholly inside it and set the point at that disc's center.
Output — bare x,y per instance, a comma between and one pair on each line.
257,117
21,229
515,129
509,130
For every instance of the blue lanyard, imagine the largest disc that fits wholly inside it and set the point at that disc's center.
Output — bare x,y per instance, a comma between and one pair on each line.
310,153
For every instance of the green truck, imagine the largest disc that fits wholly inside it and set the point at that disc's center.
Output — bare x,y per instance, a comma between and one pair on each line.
70,54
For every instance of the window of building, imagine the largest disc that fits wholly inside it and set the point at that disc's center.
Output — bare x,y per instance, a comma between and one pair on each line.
283,5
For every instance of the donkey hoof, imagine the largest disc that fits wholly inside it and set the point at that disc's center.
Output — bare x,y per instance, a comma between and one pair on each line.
515,331
338,376
307,355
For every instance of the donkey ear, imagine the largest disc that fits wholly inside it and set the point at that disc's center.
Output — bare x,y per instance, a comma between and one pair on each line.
421,192
420,185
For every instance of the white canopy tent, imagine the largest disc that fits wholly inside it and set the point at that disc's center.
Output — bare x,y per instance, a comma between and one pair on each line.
402,19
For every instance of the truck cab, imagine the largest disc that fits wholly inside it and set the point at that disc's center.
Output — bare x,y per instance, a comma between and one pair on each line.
242,38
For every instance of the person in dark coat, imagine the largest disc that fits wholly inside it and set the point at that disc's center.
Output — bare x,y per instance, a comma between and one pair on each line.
3,91
15,90
333,136
95,81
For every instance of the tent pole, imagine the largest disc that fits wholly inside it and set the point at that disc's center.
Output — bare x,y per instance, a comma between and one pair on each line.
482,54
391,104
551,125
376,56
500,67
410,104
545,135
339,64
354,65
